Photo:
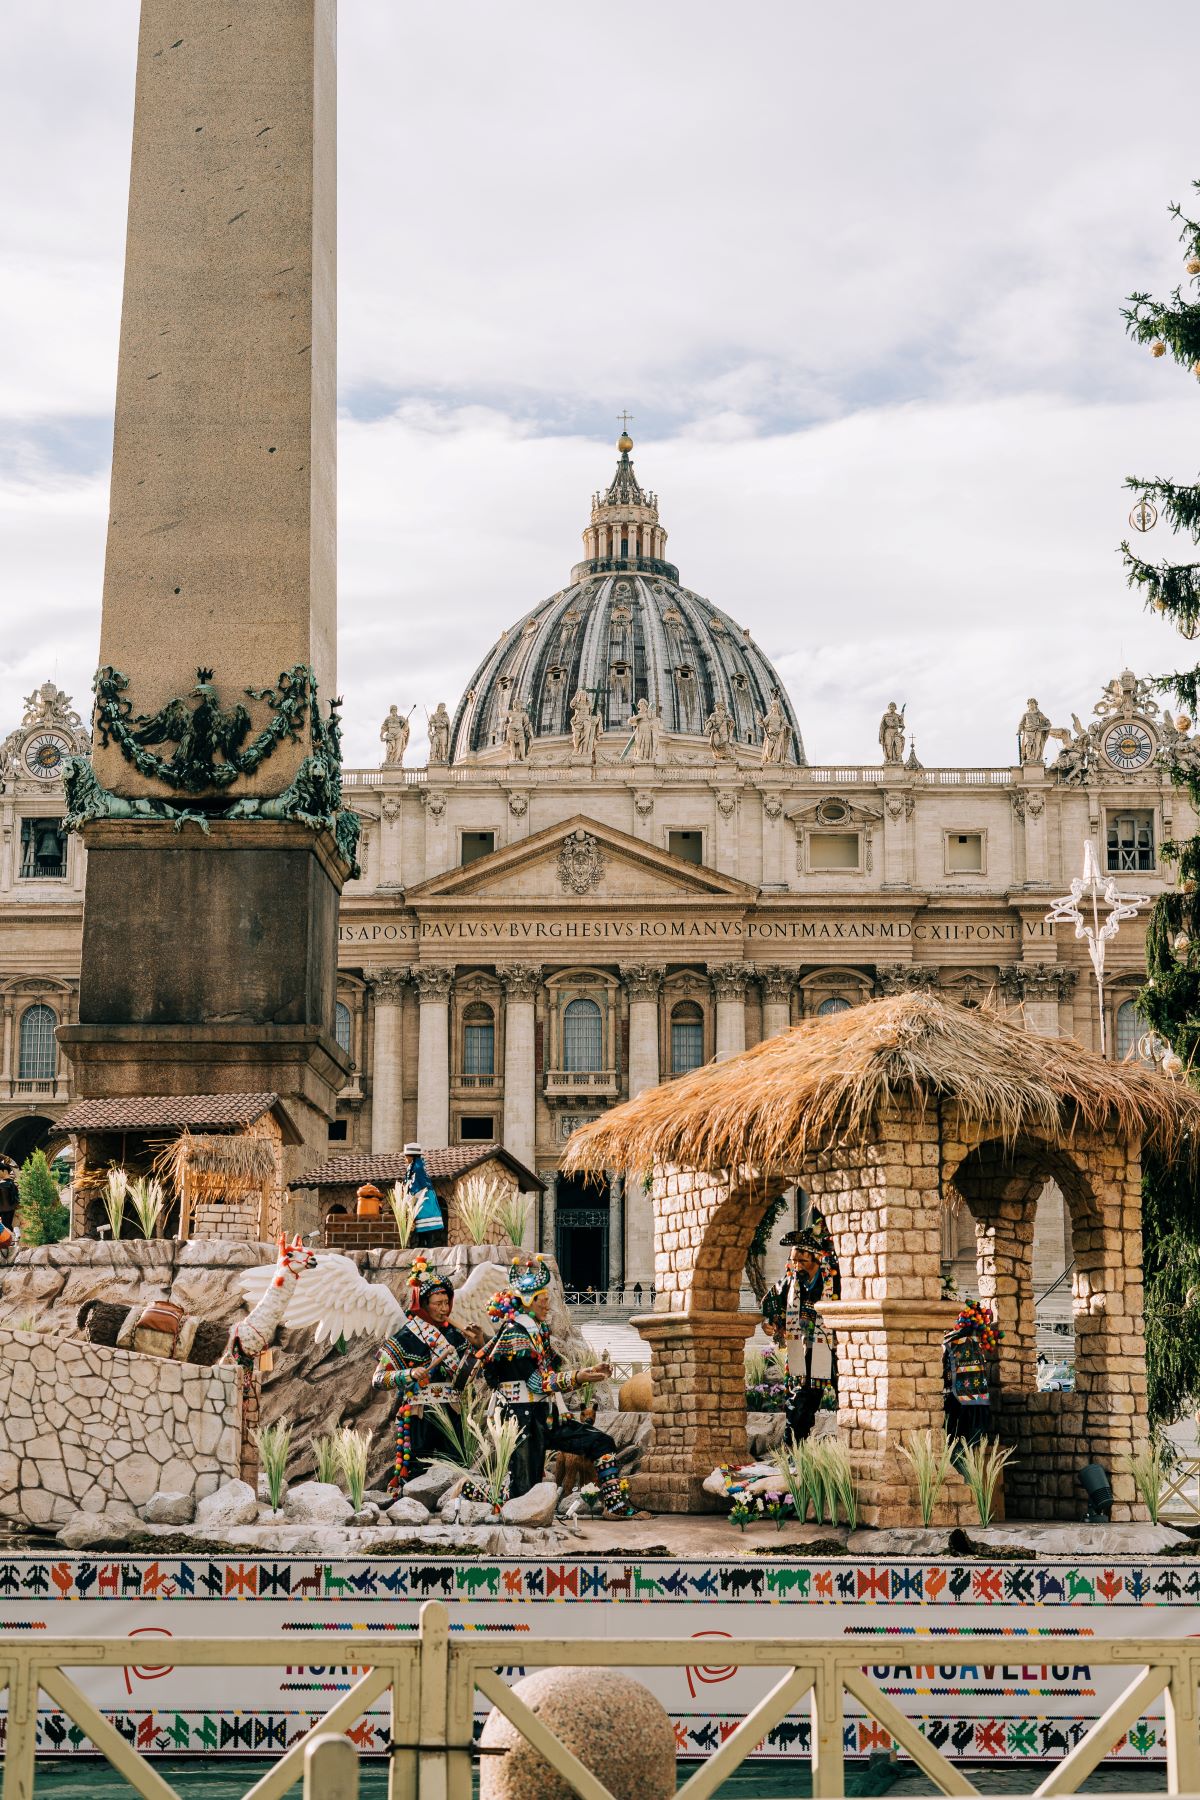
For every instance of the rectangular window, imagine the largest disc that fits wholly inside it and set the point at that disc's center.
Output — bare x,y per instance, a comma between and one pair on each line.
476,1128
1130,842
479,1049
687,1045
337,1131
687,845
43,850
833,850
964,853
475,844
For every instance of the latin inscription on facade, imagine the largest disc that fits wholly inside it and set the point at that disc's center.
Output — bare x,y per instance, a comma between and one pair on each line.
685,931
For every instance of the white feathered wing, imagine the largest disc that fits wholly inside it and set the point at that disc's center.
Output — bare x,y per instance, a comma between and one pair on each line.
332,1296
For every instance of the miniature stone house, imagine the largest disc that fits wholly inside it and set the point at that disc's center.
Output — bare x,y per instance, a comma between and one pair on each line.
335,1184
881,1113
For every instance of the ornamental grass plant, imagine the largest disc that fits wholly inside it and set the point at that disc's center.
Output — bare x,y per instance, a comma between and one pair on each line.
478,1446
475,1202
982,1465
1148,1468
819,1477
326,1460
404,1211
353,1451
512,1217
148,1201
273,1443
930,1458
115,1194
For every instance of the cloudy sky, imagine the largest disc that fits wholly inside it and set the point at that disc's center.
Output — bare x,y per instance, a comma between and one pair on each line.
855,271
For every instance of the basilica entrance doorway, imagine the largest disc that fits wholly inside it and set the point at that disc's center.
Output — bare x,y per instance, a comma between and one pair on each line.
581,1232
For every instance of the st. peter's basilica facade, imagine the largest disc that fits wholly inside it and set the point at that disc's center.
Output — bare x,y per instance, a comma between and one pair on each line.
619,863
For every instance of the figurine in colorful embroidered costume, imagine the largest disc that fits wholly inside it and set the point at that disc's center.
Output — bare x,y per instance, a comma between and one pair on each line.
790,1317
967,1351
525,1374
425,1361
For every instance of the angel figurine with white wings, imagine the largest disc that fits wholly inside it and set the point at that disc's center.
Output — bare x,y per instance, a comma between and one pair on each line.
424,1359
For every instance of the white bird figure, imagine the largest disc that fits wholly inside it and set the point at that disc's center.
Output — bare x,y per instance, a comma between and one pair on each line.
336,1300
272,1290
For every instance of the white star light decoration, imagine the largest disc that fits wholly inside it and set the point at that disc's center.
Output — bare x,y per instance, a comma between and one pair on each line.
1089,892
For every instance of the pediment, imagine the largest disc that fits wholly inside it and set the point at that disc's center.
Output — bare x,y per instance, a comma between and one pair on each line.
580,860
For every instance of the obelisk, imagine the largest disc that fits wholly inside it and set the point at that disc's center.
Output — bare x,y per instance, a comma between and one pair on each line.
211,810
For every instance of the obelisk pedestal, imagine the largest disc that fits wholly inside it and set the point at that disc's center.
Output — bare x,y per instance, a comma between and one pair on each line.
212,807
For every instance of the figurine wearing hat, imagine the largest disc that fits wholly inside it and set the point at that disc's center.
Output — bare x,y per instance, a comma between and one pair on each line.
967,1350
525,1374
790,1317
427,1361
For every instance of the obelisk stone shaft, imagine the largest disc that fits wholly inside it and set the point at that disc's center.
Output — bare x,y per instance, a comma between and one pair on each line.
221,540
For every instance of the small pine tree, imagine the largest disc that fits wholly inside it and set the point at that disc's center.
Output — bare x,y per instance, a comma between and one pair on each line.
1170,1001
44,1218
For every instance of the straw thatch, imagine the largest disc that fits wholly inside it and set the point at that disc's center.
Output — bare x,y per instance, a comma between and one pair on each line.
826,1082
216,1165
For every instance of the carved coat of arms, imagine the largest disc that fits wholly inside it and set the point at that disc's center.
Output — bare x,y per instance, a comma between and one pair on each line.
580,863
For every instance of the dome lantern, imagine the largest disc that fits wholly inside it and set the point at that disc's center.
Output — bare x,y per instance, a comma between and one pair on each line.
624,533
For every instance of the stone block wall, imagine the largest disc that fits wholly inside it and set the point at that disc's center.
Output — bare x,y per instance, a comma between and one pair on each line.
228,1221
82,1426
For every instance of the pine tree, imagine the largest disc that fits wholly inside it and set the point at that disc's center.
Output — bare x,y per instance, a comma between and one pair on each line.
1170,1001
44,1218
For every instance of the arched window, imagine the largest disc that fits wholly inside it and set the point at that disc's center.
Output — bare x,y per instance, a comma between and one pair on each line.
834,1004
1130,1026
36,1056
583,1038
687,1037
343,1026
479,1040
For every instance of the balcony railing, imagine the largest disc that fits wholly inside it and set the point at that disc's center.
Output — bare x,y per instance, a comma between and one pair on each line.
44,868
28,1085
475,1081
567,1082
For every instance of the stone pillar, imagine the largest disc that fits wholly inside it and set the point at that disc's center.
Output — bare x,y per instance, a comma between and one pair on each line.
643,982
433,1056
221,558
521,982
616,1229
699,1407
774,872
729,985
391,847
387,1059
897,812
548,1233
777,983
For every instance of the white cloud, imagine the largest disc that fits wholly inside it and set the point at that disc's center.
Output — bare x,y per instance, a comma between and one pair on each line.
855,270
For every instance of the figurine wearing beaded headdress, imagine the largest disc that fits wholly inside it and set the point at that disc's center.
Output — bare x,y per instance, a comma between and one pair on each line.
967,1351
426,1361
791,1318
526,1375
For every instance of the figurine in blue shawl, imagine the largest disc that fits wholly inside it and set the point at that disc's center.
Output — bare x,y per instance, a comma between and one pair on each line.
430,1225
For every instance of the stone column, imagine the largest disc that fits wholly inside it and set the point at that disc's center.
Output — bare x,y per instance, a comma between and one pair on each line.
699,1406
521,982
777,983
643,981
391,847
729,985
897,812
774,873
433,1056
549,1223
616,1229
387,1059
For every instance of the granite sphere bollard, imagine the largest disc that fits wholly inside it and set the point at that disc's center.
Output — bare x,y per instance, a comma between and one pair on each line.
613,1725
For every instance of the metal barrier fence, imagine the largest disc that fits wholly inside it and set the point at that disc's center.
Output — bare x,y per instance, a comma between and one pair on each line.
432,1680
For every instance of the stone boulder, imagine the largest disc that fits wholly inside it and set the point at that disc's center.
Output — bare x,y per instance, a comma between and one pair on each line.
316,1503
169,1509
614,1725
429,1487
537,1507
407,1511
235,1503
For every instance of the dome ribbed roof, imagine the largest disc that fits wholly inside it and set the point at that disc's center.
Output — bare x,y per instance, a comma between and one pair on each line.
624,631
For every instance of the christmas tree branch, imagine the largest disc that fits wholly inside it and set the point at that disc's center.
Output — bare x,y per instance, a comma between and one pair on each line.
1169,587
1180,506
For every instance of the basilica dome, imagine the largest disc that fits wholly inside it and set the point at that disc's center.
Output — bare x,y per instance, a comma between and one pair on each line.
626,639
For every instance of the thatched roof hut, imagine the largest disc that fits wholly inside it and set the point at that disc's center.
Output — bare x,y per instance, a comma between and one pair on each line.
827,1082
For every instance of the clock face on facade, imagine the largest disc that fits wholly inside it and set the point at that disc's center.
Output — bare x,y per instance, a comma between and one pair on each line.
1128,746
43,755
